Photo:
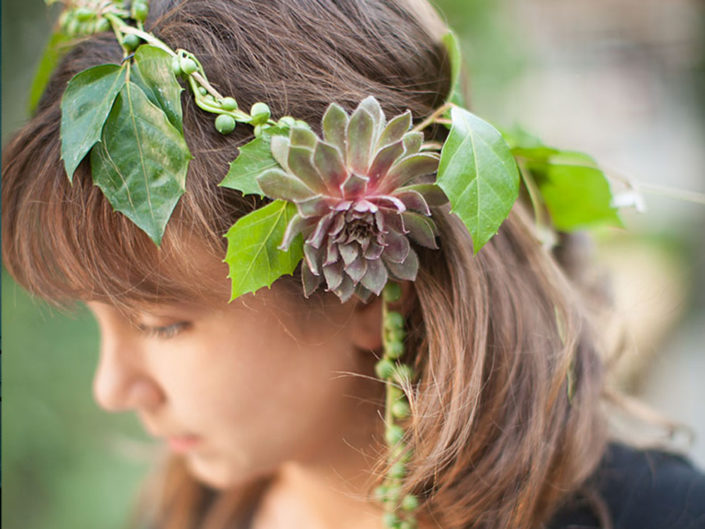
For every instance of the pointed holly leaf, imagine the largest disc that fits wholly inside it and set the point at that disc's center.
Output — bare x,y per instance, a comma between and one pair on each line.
254,159
141,162
452,45
253,256
151,70
85,106
478,174
55,49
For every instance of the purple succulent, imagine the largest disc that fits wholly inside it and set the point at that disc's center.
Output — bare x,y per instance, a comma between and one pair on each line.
357,205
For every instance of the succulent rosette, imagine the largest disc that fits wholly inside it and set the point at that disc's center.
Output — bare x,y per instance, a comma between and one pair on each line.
358,197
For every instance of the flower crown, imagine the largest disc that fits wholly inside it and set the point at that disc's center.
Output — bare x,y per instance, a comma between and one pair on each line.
347,205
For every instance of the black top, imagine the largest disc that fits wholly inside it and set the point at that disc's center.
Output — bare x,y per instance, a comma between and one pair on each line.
642,489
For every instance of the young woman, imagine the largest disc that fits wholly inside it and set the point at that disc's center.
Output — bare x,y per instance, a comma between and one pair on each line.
271,405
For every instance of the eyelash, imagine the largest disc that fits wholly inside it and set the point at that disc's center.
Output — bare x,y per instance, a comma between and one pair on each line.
167,331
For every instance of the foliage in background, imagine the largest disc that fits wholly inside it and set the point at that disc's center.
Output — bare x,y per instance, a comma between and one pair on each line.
62,467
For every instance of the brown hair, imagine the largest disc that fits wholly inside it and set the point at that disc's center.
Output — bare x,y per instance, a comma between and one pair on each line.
506,419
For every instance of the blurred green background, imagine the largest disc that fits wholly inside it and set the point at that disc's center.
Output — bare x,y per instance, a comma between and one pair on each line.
622,79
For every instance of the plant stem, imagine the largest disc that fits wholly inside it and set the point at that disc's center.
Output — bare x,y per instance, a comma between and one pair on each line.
534,194
673,192
431,146
118,23
433,117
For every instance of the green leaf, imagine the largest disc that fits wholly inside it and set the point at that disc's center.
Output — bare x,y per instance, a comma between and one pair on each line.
253,256
573,188
55,49
85,106
575,191
152,72
141,161
452,45
478,174
254,159
519,139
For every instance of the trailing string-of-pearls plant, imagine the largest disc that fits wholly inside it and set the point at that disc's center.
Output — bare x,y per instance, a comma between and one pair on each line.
399,511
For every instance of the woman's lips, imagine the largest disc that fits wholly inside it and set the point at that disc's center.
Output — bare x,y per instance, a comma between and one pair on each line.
184,443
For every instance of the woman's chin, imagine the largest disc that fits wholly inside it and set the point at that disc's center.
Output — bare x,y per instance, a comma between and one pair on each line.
217,474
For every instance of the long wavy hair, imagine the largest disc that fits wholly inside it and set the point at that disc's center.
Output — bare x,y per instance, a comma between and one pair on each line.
506,419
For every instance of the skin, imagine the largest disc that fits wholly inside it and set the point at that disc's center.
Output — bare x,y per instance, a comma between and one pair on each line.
268,385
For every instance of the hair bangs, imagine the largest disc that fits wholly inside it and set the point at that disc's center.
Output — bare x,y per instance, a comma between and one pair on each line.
64,242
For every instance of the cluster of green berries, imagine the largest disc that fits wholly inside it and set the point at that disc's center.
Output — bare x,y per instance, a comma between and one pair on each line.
82,21
186,64
399,510
225,123
138,11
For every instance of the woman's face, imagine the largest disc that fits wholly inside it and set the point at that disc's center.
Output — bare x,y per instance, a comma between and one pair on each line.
240,388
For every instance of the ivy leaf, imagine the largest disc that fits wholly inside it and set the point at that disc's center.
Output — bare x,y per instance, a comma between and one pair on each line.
524,144
572,186
141,162
85,106
254,158
478,174
55,49
152,73
253,256
452,45
575,191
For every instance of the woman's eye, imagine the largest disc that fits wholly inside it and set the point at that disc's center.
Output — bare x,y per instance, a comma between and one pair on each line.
165,332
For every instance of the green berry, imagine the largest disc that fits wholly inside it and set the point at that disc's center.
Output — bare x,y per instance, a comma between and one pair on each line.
202,91
408,524
81,28
84,14
394,349
391,520
403,453
260,113
72,27
102,25
228,103
395,392
188,66
410,502
393,434
131,41
400,409
381,493
392,291
394,320
176,66
403,372
397,470
225,124
384,368
287,121
140,10
210,98
393,492
396,335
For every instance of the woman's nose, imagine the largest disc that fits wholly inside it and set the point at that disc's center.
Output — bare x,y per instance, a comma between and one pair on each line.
121,383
